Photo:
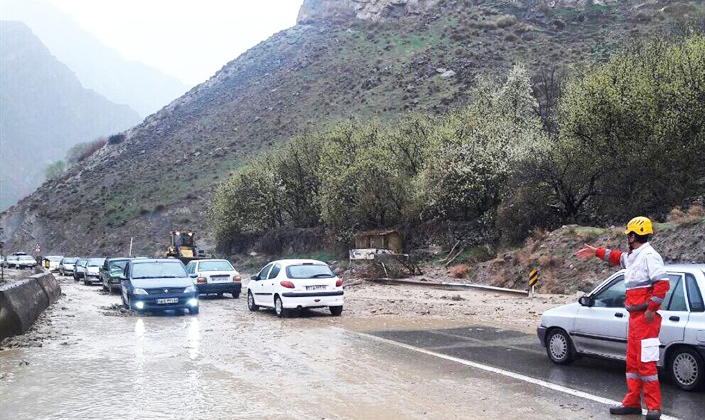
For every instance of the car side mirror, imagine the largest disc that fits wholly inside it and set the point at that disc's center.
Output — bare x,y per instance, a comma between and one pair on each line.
193,275
122,277
585,300
254,277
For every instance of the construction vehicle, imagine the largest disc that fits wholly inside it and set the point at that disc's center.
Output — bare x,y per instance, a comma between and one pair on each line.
183,246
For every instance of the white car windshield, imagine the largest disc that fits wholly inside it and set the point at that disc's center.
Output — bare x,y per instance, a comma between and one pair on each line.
158,270
55,259
96,262
309,271
215,266
69,260
25,258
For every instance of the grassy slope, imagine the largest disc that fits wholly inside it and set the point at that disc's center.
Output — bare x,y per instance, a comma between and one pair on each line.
301,79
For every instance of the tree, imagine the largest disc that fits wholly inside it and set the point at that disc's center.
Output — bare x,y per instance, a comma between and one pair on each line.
55,170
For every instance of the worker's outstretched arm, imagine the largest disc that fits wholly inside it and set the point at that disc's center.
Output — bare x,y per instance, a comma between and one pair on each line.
611,256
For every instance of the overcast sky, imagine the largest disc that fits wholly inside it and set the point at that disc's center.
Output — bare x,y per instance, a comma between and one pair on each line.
190,39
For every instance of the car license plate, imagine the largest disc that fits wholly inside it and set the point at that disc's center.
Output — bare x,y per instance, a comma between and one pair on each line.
220,279
165,301
315,287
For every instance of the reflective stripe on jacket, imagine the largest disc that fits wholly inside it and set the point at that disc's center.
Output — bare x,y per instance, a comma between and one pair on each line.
645,279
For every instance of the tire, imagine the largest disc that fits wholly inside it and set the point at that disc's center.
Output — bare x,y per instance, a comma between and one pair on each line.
235,295
220,295
559,347
105,289
251,305
336,310
194,311
279,308
85,281
686,369
125,304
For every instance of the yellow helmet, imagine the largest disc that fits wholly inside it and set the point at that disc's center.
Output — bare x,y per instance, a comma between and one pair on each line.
640,225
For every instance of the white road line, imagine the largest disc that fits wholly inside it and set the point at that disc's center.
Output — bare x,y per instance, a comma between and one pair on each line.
513,375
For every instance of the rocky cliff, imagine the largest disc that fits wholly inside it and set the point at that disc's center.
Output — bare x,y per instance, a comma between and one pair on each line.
317,11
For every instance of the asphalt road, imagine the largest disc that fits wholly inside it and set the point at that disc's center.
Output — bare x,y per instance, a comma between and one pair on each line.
522,354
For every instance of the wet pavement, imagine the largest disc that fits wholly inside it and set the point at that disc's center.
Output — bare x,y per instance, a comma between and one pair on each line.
87,359
521,353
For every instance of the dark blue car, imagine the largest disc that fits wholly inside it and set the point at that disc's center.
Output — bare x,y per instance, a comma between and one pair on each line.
158,285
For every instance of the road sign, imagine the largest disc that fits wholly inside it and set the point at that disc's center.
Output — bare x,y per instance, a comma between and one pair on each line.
534,277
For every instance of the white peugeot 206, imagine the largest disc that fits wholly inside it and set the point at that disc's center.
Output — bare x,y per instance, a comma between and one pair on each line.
287,285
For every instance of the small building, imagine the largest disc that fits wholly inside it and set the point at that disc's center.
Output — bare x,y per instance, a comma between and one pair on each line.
392,240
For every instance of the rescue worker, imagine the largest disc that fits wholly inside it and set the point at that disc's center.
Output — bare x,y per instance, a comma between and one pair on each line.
647,284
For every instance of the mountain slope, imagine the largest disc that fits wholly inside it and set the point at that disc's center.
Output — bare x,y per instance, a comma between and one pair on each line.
332,66
97,67
44,111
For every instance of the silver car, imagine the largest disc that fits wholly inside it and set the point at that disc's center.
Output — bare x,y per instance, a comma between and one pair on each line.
597,324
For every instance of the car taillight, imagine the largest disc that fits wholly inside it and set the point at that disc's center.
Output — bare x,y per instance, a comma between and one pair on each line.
339,283
201,280
237,278
287,284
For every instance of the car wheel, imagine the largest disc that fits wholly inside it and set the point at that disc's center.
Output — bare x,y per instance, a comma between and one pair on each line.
559,347
220,295
105,289
687,369
236,295
85,281
251,305
279,308
124,302
336,310
194,311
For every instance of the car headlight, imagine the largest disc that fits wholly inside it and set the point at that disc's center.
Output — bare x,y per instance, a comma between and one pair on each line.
190,289
140,292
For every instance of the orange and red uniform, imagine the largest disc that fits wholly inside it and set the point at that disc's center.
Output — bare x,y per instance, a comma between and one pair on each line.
647,284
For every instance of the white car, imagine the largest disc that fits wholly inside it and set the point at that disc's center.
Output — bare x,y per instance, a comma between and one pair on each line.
215,277
92,273
25,261
286,285
597,324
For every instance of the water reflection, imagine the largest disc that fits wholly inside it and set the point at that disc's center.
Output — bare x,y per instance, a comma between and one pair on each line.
194,337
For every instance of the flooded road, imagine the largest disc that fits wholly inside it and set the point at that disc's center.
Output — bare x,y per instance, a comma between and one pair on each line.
87,359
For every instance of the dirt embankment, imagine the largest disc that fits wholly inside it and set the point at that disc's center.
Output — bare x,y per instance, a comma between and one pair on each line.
680,241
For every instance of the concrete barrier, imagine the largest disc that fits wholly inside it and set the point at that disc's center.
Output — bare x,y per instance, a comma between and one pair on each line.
50,286
22,302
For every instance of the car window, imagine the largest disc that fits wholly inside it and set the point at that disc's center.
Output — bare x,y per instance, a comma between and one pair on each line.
263,274
310,271
275,271
189,267
118,265
158,270
674,279
613,296
677,292
214,266
695,297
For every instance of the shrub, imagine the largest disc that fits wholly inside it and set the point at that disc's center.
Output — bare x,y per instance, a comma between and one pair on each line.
91,148
116,139
460,271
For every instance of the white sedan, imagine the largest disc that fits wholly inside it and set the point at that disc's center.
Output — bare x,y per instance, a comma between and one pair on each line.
286,285
597,325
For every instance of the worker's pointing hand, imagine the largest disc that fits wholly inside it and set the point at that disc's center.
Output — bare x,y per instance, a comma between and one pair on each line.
586,252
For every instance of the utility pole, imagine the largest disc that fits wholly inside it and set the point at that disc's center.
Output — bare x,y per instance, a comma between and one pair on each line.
130,253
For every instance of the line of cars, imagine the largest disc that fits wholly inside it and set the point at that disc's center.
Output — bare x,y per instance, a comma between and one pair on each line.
162,284
19,260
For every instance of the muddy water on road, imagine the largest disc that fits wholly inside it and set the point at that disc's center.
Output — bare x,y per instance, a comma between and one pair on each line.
229,363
